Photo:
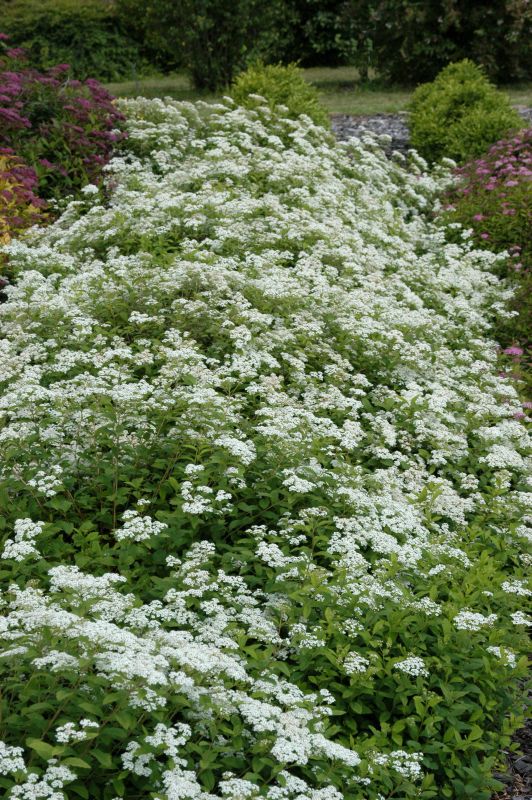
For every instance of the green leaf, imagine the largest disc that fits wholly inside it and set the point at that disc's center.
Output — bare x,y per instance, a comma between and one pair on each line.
76,762
43,749
104,758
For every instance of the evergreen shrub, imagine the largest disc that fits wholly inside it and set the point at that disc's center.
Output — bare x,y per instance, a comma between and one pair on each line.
280,86
460,114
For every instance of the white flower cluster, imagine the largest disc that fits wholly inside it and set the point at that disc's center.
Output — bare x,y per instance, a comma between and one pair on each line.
49,785
413,665
472,621
11,759
406,764
516,587
138,528
354,662
23,544
263,335
505,655
45,483
70,733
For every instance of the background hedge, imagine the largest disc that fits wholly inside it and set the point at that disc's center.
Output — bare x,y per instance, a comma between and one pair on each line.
86,34
401,41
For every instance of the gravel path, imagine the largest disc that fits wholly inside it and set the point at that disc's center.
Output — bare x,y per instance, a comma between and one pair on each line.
394,125
518,775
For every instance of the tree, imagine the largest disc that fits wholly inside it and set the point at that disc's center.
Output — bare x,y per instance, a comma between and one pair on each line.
213,39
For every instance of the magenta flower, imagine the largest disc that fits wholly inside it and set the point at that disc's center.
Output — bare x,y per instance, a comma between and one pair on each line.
75,135
513,351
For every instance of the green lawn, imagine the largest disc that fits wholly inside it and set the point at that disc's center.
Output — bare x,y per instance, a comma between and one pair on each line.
341,91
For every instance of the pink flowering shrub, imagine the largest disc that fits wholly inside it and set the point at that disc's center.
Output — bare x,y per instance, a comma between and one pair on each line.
19,205
65,129
493,197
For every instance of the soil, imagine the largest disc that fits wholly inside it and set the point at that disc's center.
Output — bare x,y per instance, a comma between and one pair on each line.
518,775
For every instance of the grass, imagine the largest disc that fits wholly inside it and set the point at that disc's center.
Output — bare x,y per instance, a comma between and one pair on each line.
341,89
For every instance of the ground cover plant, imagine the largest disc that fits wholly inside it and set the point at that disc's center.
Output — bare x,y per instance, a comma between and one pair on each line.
264,493
459,114
493,197
65,129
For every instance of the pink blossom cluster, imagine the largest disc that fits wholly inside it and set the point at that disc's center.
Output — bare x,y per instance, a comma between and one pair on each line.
65,129
506,166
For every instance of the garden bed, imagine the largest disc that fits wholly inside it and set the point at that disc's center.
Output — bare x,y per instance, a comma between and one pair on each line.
265,488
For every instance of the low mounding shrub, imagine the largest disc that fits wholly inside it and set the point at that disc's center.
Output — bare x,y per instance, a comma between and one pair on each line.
460,114
19,205
65,129
280,86
263,491
493,197
86,35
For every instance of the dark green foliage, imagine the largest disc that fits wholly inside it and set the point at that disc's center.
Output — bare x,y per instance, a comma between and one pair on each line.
280,85
156,26
409,42
86,35
403,42
328,32
212,39
413,41
460,114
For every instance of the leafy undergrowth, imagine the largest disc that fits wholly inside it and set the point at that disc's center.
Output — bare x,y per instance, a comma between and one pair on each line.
265,494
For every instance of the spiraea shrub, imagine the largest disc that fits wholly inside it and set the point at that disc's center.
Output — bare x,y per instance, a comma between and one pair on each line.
264,494
280,86
460,114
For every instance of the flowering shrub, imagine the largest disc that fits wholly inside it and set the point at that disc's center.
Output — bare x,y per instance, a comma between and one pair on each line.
65,129
264,493
493,197
280,85
19,205
460,114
